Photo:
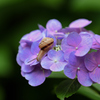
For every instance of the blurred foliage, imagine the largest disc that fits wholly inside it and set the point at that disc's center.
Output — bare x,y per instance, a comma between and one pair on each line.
18,17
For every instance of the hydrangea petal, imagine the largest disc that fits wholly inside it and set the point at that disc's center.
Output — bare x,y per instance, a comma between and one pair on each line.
53,25
80,23
95,75
41,28
18,60
56,55
74,39
47,72
74,60
31,60
58,66
36,77
84,46
65,47
90,62
46,63
97,56
83,78
22,73
25,53
25,43
97,37
35,35
35,48
70,71
27,68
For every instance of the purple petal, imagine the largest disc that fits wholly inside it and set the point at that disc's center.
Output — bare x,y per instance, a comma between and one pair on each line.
25,37
56,55
96,42
74,39
18,60
46,63
35,35
25,43
25,53
84,46
65,47
22,73
31,60
36,77
70,71
47,72
74,60
97,37
69,30
95,75
59,66
27,68
35,48
83,78
90,62
53,25
80,23
41,28
97,56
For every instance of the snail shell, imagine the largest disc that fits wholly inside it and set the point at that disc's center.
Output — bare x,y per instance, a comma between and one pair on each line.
45,45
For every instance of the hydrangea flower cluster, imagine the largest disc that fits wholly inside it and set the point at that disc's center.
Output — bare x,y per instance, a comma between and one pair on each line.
70,52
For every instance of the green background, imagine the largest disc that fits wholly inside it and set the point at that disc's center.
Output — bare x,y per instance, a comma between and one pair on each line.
18,17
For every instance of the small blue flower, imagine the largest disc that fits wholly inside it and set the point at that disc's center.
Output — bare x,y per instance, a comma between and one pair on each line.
77,67
37,76
54,61
80,43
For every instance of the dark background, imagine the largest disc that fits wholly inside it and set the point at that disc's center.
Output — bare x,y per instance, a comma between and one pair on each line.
18,17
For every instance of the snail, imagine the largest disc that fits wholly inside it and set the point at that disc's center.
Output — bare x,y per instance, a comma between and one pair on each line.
45,45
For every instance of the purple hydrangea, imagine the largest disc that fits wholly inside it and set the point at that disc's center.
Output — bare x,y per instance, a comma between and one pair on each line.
92,62
77,67
67,53
80,43
54,61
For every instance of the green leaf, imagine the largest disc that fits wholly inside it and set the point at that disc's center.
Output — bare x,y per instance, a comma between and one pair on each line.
57,75
67,88
97,87
89,92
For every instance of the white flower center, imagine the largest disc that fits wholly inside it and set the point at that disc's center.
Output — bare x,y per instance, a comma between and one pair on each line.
57,47
55,60
78,68
76,48
98,65
30,39
55,31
